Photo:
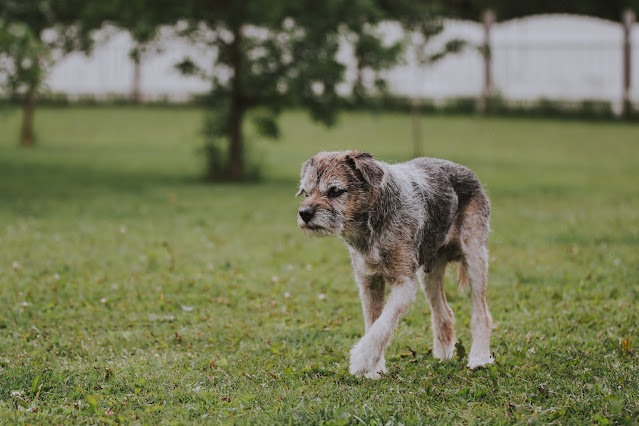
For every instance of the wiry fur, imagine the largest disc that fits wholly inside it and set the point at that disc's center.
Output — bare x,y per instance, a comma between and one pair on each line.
400,222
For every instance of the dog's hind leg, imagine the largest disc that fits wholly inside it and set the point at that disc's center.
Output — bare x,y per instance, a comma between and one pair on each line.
442,317
473,237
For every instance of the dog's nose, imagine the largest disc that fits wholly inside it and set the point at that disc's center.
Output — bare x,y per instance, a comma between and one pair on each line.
306,213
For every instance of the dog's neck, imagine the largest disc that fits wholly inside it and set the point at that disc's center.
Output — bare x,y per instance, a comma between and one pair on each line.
358,234
364,229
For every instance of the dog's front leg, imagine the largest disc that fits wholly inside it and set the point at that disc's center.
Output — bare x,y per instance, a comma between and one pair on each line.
369,351
371,293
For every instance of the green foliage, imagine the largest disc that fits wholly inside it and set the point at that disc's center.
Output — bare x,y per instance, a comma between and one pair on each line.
24,59
497,106
266,123
451,46
26,55
590,109
544,107
133,293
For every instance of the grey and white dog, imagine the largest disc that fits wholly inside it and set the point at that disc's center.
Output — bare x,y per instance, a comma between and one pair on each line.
400,222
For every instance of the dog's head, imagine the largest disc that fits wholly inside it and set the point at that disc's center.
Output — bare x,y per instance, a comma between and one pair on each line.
338,189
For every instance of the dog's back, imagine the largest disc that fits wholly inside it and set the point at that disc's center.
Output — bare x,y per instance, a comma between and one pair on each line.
443,175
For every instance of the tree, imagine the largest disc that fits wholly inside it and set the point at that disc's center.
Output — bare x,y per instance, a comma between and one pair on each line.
26,52
270,55
23,60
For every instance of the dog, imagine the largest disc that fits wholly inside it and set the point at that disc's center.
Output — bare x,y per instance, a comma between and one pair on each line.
401,222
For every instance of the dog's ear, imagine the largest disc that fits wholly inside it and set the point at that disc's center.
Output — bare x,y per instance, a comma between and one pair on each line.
305,166
365,167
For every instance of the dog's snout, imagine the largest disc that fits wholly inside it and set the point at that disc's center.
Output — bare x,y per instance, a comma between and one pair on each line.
306,213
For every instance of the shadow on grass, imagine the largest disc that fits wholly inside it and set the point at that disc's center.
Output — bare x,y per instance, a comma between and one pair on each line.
30,185
67,180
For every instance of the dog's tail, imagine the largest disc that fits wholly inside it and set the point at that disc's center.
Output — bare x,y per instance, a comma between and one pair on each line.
462,276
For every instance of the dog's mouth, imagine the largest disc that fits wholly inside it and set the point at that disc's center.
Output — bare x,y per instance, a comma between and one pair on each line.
310,227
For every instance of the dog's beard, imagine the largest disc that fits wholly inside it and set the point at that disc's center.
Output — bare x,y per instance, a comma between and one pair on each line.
323,223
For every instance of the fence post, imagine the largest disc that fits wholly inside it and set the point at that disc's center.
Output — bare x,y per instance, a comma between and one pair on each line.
417,127
488,19
628,20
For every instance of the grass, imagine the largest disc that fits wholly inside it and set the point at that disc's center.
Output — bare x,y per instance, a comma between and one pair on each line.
132,292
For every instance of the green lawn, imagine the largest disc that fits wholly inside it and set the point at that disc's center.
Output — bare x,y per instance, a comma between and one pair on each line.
131,291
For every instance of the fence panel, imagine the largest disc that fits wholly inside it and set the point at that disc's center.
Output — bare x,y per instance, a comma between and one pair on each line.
562,57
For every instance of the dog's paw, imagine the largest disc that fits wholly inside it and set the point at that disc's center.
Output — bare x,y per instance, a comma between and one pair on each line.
475,362
378,371
442,352
381,366
373,375
363,361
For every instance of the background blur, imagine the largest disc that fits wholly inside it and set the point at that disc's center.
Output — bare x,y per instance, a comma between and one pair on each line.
561,56
248,62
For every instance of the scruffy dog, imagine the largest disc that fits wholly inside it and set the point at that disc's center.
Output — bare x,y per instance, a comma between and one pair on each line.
401,221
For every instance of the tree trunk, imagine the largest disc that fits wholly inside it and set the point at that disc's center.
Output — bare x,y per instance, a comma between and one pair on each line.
236,113
488,19
236,139
136,91
136,56
28,111
628,21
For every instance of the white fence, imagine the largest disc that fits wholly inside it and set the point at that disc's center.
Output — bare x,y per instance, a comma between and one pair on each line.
554,56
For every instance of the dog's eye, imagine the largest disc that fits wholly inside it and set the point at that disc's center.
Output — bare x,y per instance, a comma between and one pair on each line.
335,192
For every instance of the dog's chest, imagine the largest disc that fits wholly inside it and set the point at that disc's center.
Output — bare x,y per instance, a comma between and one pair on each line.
371,261
374,260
